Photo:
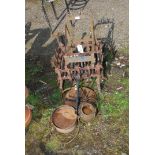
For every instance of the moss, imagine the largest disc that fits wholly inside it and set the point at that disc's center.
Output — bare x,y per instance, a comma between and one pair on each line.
33,99
53,144
38,129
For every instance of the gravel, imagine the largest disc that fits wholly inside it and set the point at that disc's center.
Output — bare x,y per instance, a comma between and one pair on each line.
112,9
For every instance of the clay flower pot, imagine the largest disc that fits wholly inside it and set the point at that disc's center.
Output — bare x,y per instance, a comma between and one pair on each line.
28,116
28,111
64,119
87,111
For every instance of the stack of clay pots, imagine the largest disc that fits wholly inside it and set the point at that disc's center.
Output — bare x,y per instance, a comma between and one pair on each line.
65,117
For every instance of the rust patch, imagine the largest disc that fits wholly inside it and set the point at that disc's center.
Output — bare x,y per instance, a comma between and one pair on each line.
87,110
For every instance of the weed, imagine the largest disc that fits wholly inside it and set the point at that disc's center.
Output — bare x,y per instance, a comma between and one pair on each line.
32,71
33,99
55,97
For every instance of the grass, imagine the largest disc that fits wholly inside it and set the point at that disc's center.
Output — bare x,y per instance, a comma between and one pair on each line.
110,128
115,102
38,130
53,144
33,99
111,105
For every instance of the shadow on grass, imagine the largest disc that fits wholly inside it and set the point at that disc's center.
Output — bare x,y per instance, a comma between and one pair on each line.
39,74
40,78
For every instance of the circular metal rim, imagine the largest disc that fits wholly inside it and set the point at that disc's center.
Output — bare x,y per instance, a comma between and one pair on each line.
52,119
84,116
90,99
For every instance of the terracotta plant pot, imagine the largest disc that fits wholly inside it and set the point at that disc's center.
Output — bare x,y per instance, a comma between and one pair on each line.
87,111
64,119
69,96
28,116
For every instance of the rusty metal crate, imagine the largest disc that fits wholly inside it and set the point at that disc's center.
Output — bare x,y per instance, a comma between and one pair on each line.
78,57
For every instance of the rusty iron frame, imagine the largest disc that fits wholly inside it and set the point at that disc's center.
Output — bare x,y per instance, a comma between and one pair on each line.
87,64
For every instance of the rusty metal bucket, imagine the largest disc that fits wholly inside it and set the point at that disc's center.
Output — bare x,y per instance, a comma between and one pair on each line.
87,111
28,116
64,119
86,95
69,96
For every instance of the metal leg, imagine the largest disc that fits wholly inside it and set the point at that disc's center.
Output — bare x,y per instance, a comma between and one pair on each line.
55,13
61,84
98,82
68,11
